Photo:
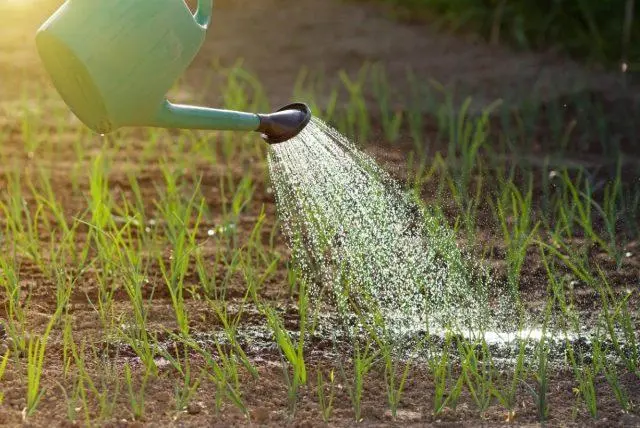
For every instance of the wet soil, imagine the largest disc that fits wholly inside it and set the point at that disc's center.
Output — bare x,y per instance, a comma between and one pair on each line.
276,38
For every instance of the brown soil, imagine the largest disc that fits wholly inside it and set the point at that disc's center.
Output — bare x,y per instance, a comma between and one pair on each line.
276,38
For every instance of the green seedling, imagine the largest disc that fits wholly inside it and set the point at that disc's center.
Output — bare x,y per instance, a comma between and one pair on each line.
73,401
478,371
315,86
105,393
356,122
513,210
326,402
441,370
630,209
177,218
224,374
609,213
395,375
541,390
184,394
35,362
585,376
421,98
616,311
28,128
15,304
293,352
3,368
230,326
136,396
508,396
22,221
391,121
363,360
620,392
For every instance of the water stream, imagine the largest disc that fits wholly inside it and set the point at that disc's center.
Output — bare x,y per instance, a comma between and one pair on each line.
365,245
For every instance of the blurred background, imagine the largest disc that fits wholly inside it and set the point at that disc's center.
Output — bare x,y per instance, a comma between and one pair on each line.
485,48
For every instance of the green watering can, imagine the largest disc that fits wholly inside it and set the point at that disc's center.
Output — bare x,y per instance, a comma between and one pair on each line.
113,62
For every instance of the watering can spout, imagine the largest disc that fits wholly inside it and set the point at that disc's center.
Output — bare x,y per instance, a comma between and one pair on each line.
285,123
277,127
193,117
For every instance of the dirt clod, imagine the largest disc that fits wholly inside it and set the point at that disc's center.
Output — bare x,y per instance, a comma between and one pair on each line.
261,415
194,408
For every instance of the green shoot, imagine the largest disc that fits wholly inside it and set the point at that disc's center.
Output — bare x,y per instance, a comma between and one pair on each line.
3,367
35,361
326,402
362,363
136,396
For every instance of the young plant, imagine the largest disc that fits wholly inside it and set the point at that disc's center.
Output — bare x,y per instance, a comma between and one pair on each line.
362,363
478,372
356,121
185,393
106,394
3,367
616,312
391,122
310,92
420,95
224,374
22,221
585,376
72,402
35,361
440,368
609,213
508,396
583,203
382,338
136,397
514,211
620,392
177,216
294,353
326,402
540,393
230,326
16,318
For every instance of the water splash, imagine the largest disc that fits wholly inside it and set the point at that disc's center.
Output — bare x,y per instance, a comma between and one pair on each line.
363,244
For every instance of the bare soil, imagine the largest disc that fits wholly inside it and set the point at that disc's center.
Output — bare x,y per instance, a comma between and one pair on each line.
276,38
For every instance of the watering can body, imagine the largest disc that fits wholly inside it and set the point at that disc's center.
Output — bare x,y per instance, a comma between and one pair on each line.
113,62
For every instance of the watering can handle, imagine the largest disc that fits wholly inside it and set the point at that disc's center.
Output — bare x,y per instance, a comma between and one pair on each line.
203,13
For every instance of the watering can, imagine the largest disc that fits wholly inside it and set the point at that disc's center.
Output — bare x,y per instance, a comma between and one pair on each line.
113,62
